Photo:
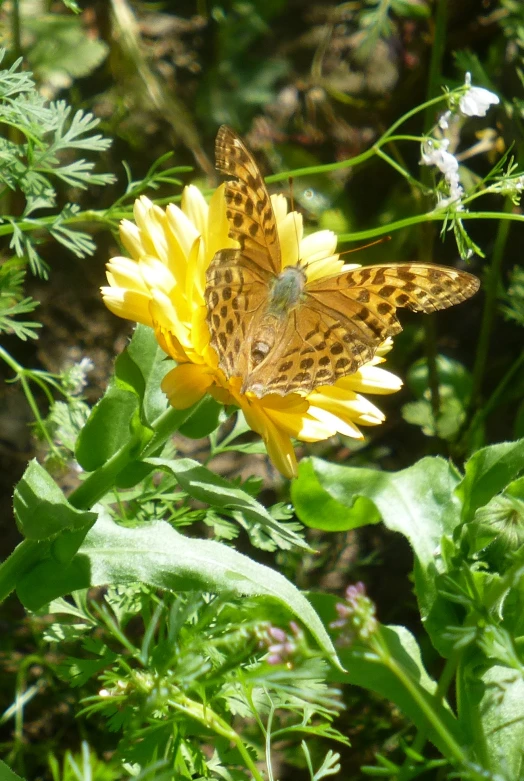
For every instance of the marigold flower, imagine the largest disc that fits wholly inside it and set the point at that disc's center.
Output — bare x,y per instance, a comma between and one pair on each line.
162,285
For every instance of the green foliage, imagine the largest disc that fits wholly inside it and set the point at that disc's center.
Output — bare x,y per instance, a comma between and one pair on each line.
466,539
33,162
191,658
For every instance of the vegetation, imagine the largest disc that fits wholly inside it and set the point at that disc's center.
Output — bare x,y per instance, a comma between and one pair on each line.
174,608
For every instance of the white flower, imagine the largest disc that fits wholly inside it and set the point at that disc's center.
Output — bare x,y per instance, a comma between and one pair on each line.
476,100
436,153
443,122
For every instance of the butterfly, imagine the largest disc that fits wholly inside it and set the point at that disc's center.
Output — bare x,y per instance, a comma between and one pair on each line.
282,334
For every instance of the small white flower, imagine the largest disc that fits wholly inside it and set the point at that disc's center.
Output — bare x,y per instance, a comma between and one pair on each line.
477,100
443,122
447,164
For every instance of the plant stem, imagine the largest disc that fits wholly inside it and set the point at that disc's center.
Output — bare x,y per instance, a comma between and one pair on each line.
490,306
427,231
454,751
212,721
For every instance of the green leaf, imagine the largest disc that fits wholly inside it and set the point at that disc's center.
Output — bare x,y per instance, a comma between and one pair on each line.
204,420
107,429
487,473
319,510
6,774
202,484
144,365
492,712
418,502
41,509
158,555
132,401
61,50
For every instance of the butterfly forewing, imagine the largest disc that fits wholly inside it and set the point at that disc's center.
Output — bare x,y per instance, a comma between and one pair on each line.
249,211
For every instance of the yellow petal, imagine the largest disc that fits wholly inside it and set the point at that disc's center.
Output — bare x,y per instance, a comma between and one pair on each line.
290,231
318,245
186,384
337,423
196,209
181,230
278,443
125,273
151,221
130,238
128,304
279,204
156,274
371,379
218,225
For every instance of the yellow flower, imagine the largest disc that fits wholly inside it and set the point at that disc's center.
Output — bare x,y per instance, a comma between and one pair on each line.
162,285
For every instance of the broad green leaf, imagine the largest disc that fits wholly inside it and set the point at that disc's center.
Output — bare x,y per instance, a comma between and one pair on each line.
216,491
487,473
151,365
204,420
418,502
318,510
6,774
133,401
107,428
156,554
492,711
41,509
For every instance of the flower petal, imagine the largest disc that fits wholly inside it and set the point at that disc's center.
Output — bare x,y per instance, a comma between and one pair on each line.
186,384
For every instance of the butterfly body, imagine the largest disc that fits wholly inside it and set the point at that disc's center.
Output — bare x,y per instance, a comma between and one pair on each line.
281,333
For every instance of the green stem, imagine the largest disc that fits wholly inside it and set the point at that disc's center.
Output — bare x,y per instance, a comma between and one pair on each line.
490,306
433,216
427,230
16,30
212,721
21,375
455,751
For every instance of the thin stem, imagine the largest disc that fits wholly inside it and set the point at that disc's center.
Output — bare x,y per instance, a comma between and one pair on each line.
454,750
433,216
490,306
212,721
427,231
485,410
16,42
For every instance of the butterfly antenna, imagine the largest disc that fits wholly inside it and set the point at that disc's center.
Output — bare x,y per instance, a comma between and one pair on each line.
382,240
292,204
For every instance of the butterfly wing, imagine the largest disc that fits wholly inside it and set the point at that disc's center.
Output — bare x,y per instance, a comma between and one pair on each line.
251,218
238,281
344,319
235,297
